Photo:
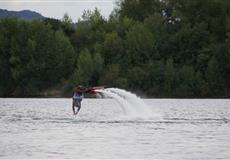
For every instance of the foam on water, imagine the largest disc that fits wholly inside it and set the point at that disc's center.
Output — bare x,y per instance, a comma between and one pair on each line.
132,106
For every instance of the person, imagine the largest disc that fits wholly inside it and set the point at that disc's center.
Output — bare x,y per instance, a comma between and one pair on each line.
77,98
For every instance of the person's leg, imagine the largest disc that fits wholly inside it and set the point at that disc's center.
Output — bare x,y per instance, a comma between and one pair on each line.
78,106
73,106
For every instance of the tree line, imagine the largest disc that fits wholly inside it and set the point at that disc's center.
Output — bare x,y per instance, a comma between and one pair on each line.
163,48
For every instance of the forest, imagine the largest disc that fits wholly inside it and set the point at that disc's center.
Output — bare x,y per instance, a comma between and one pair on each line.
158,48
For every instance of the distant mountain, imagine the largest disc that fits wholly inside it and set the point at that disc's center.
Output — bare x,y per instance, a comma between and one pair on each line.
24,14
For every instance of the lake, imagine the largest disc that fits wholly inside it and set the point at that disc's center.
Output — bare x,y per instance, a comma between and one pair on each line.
180,129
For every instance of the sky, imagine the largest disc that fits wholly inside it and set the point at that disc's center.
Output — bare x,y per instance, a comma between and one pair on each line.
57,8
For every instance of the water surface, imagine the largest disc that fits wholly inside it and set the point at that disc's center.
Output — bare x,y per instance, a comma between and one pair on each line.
181,130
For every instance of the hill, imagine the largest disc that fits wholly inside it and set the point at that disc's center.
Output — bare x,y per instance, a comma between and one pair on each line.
24,14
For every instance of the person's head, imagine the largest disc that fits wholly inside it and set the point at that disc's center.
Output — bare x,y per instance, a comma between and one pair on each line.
76,89
79,88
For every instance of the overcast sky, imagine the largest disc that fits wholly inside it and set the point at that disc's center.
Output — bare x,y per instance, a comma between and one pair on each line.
57,8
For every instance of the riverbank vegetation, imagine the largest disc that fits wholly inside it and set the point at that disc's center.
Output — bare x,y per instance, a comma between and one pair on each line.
163,48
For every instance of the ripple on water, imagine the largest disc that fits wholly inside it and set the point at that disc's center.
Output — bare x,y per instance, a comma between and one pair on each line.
46,128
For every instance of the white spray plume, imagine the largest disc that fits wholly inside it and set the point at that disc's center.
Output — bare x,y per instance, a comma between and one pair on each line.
132,105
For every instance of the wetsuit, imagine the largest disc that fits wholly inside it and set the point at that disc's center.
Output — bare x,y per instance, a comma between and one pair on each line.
77,98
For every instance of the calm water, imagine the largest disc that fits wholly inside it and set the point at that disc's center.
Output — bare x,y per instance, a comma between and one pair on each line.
183,130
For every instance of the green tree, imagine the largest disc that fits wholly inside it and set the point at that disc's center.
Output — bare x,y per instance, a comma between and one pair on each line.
113,78
213,76
169,77
6,79
67,25
98,65
140,45
113,48
89,68
139,9
137,77
186,82
85,68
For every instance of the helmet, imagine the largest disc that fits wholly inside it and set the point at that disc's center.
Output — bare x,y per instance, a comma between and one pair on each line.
79,88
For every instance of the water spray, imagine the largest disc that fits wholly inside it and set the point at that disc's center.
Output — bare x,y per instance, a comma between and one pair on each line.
131,105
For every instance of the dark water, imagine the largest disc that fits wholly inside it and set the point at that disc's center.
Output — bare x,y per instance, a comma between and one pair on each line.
180,129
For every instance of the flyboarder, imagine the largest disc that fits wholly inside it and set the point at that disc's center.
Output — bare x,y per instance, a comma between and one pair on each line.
78,96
